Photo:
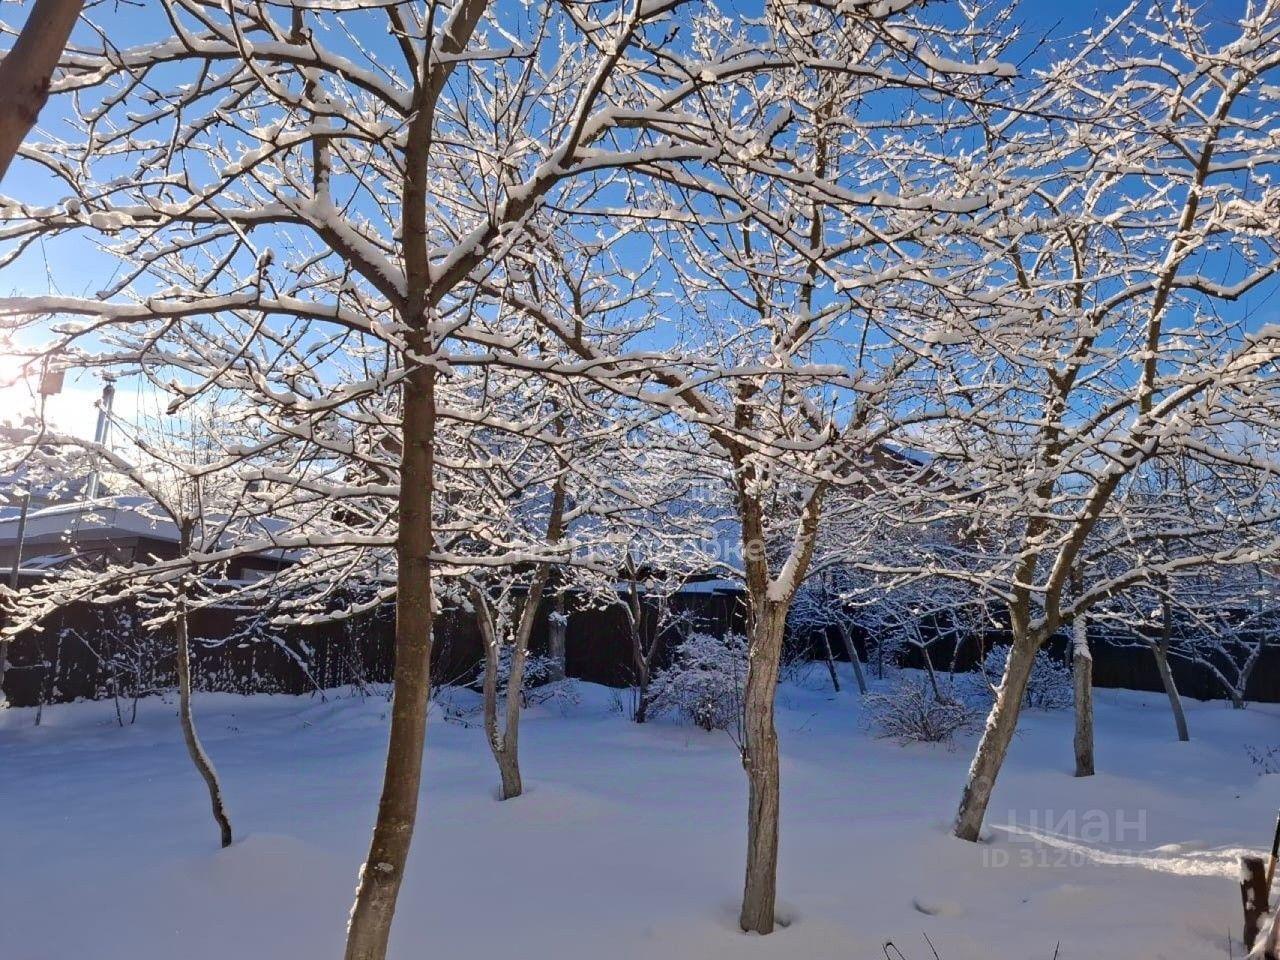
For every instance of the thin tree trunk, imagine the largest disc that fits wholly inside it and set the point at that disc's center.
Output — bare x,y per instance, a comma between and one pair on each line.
1082,670
1161,652
194,748
505,743
928,666
383,870
643,674
500,738
760,758
557,629
996,738
27,70
641,657
507,761
1242,685
851,650
508,756
831,660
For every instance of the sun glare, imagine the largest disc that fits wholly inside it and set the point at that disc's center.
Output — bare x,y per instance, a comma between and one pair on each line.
12,375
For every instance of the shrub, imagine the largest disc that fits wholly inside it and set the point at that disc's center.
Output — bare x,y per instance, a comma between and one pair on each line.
1049,688
911,712
705,682
542,680
1266,759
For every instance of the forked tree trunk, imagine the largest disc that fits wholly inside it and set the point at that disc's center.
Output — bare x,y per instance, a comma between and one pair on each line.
768,602
1238,691
504,742
1082,675
383,870
506,749
996,737
642,656
851,649
27,69
194,748
760,758
506,759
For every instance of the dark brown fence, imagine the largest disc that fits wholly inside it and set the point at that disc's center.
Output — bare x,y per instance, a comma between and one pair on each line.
88,651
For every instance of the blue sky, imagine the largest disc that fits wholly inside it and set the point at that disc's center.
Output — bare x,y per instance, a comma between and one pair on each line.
76,267
38,274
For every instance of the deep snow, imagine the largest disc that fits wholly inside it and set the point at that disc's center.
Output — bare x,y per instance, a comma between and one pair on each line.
629,842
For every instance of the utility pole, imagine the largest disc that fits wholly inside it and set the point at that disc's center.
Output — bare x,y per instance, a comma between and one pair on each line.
101,433
13,581
17,550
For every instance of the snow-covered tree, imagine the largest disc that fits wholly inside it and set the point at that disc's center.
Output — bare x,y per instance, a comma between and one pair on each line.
786,368
307,204
527,501
1088,340
180,473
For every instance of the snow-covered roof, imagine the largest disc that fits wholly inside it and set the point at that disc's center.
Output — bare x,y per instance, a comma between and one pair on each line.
713,585
108,517
112,518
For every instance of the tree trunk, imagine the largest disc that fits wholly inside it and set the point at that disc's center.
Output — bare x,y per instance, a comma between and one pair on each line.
505,743
27,69
928,666
996,738
194,748
851,649
831,660
641,657
383,871
508,756
1241,688
1171,690
642,694
760,758
1160,650
507,760
557,628
1082,670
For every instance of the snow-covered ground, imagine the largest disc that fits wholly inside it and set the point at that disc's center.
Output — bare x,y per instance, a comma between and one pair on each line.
629,842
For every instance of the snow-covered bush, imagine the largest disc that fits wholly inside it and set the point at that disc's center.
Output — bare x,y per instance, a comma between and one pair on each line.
1050,686
911,711
704,683
543,682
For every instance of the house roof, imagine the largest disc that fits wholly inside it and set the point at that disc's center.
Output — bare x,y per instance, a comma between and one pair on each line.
113,518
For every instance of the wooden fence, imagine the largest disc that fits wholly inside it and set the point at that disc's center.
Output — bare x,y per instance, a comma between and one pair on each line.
88,651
